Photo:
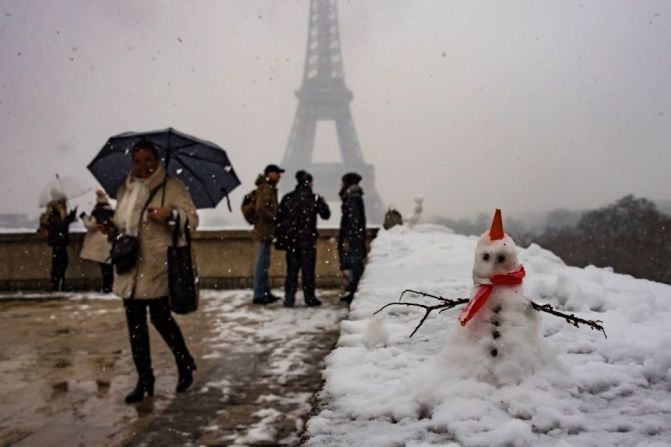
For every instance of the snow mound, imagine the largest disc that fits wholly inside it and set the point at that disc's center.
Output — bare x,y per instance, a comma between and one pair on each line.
385,389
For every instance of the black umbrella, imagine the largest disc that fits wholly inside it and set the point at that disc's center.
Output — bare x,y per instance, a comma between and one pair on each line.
203,166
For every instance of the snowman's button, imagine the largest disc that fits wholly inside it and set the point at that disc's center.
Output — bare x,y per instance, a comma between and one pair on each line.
494,352
496,334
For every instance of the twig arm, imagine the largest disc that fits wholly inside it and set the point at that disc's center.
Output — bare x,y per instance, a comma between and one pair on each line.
440,298
448,304
403,304
416,292
455,303
570,318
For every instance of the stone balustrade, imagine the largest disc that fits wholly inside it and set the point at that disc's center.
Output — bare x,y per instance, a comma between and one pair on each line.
224,258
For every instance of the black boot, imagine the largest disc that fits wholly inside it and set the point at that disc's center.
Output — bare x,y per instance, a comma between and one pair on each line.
162,319
185,376
347,298
289,300
144,385
136,316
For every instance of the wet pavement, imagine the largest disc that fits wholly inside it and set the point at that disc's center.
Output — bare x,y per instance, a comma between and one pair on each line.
66,366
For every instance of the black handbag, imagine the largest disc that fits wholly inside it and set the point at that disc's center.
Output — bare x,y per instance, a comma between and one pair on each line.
125,253
126,248
182,277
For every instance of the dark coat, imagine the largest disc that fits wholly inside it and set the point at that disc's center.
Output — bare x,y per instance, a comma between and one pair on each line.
352,227
103,212
266,209
297,218
58,226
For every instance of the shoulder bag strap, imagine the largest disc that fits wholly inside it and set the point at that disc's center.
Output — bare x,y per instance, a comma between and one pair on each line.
151,196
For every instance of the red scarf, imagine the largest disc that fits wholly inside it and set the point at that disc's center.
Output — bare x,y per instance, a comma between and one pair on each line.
485,290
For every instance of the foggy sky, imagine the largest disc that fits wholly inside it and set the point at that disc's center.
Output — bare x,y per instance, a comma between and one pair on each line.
521,105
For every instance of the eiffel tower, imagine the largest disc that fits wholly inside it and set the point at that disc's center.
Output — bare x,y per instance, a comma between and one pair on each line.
323,96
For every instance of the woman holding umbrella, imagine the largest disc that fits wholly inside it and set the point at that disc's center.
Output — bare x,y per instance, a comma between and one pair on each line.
149,202
55,225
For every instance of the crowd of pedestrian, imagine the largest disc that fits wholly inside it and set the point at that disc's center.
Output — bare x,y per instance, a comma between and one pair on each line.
291,226
155,211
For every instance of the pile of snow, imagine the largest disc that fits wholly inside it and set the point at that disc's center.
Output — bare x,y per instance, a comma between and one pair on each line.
385,389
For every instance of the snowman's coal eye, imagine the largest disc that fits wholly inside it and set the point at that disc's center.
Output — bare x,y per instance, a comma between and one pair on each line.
485,257
500,258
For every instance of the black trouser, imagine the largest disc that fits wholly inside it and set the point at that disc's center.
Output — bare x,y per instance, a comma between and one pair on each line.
161,318
356,270
352,264
59,264
107,273
303,259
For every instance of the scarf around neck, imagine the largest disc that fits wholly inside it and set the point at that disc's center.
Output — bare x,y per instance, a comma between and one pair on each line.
485,291
129,208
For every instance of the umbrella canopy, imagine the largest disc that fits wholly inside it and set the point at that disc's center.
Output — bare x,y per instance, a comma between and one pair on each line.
203,166
61,188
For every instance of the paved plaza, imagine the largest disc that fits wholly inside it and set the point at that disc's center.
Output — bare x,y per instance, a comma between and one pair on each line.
66,366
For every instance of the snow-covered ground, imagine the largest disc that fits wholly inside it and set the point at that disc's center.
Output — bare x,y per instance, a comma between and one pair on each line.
385,389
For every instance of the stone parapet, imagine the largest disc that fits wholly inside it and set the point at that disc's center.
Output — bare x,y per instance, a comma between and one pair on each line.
224,258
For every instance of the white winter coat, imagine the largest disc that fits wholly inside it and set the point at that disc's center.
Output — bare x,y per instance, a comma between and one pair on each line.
96,247
149,278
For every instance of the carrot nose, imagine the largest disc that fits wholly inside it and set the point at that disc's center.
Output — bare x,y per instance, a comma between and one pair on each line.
496,231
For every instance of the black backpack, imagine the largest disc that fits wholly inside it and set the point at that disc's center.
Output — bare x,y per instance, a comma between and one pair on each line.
248,207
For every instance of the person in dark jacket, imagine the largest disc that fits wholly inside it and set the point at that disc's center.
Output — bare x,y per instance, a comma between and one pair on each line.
55,223
352,235
297,233
262,234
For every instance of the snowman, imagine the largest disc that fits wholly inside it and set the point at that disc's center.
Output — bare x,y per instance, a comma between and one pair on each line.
417,212
498,338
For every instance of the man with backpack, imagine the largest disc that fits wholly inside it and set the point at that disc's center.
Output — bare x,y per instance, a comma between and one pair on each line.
260,209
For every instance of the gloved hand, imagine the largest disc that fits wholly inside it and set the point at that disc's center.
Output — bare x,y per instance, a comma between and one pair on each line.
72,216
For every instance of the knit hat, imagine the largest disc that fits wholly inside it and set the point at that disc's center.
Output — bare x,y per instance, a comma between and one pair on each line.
303,177
351,178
